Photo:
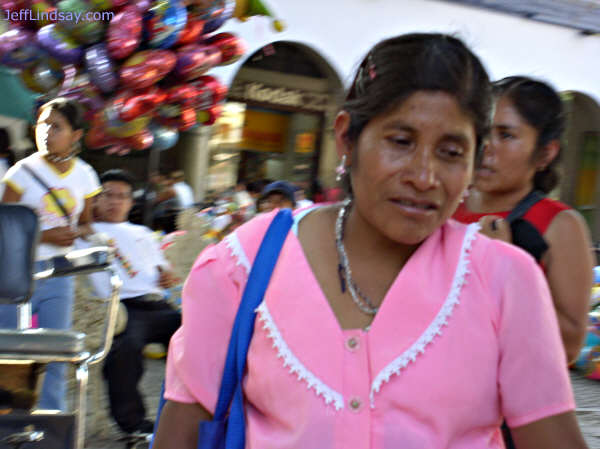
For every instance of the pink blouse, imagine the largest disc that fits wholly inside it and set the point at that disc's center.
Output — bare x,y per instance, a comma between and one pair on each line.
465,336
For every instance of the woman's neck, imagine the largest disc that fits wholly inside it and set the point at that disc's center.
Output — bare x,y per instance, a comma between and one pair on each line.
366,242
481,202
61,166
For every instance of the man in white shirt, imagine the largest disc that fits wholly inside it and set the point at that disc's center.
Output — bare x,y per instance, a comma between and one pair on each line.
183,192
145,273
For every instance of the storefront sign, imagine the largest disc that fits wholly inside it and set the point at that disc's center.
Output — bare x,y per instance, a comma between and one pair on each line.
284,96
264,131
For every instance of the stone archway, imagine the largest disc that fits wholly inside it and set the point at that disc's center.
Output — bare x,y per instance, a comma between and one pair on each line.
581,158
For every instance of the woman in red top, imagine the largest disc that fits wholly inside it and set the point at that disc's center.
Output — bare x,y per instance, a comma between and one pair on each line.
522,156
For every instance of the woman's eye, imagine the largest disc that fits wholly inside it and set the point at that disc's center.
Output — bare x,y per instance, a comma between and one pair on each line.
505,135
400,141
451,152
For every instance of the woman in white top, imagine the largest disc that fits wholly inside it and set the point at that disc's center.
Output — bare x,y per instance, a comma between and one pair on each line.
60,187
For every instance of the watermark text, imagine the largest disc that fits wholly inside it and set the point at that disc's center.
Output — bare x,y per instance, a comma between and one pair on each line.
23,15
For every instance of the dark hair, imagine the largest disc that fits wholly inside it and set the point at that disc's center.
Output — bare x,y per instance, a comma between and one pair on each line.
398,67
5,146
541,107
117,174
68,108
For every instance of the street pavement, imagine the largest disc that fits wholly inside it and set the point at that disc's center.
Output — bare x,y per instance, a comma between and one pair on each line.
587,397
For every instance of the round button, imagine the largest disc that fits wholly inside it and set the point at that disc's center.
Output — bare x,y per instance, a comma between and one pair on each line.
352,343
355,404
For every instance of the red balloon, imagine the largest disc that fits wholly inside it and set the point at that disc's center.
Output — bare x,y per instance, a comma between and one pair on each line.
139,141
133,105
191,33
232,47
124,32
195,60
145,68
177,116
211,91
185,95
96,138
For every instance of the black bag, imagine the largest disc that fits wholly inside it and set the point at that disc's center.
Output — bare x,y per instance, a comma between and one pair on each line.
524,234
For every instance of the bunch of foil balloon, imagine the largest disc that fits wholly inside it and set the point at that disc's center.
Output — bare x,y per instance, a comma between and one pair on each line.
138,67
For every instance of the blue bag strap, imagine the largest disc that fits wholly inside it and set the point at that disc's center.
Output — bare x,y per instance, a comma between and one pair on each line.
257,283
230,398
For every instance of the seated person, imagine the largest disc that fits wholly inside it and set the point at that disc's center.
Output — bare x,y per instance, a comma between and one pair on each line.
150,319
277,195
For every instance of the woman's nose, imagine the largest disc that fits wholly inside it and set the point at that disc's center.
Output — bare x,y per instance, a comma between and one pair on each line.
423,170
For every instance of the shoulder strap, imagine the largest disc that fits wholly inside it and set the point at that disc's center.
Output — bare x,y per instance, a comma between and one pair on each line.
524,205
241,334
35,176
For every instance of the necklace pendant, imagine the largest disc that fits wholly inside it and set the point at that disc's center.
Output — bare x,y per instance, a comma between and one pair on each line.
342,279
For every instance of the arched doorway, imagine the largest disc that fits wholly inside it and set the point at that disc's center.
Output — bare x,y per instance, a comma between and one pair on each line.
274,123
581,158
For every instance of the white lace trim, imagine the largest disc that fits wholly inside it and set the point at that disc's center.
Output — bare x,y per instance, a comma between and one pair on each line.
441,320
237,251
295,366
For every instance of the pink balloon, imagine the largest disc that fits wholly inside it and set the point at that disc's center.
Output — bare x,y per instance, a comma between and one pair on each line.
124,32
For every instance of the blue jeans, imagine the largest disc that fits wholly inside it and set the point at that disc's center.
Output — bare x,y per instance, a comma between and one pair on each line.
52,301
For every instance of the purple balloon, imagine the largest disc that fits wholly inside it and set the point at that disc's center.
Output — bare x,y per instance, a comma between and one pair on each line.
141,5
59,44
17,48
100,68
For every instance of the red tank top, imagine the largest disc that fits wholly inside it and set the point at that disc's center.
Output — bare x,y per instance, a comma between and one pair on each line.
539,215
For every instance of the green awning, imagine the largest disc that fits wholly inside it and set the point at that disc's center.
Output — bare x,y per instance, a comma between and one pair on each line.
15,99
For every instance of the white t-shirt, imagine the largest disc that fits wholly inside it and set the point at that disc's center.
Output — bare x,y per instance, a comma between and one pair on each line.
72,188
184,195
138,258
3,169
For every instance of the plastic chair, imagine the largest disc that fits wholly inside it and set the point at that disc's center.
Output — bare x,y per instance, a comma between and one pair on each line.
25,351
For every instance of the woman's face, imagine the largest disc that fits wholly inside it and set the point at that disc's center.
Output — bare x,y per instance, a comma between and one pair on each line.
507,165
413,165
54,134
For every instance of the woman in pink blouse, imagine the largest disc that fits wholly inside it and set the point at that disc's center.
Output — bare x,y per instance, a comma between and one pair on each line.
385,324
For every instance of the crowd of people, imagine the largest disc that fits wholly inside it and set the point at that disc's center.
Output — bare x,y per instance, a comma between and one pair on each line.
438,281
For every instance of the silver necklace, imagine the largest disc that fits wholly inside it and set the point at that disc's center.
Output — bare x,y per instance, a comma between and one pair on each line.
360,299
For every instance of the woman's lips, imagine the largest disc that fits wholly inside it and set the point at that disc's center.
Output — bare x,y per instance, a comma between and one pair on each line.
414,207
485,171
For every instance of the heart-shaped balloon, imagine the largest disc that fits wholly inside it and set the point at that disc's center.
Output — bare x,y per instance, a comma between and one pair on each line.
124,32
232,47
195,60
135,105
192,32
212,91
145,68
175,115
140,141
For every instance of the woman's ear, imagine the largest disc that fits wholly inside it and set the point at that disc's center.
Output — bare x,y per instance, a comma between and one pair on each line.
550,153
342,143
77,135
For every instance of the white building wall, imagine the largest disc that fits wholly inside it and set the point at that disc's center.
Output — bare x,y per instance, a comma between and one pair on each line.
343,30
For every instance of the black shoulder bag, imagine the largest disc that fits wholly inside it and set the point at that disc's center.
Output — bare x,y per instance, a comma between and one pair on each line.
524,234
